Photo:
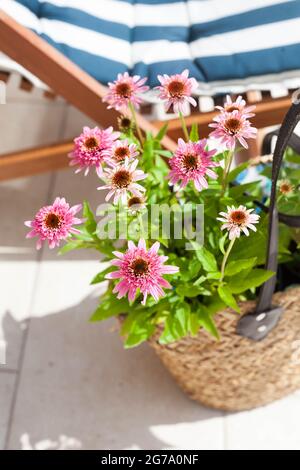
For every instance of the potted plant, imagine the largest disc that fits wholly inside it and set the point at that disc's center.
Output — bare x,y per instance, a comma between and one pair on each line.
186,245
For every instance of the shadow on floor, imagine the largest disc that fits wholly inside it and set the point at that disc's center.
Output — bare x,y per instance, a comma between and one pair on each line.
80,389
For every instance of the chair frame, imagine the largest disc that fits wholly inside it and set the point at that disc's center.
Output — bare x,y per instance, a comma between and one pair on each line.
66,79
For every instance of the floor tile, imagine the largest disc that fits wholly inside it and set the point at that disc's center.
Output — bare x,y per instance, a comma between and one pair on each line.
18,258
273,427
7,383
87,388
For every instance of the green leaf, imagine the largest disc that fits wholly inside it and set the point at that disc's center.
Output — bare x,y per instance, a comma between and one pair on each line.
234,267
176,324
250,247
290,206
140,331
163,153
90,223
194,135
200,280
227,297
215,306
211,207
160,135
161,165
188,268
191,291
237,191
206,258
148,155
194,324
182,311
127,322
237,171
110,307
292,157
216,275
83,236
100,277
69,246
255,278
133,340
222,243
207,322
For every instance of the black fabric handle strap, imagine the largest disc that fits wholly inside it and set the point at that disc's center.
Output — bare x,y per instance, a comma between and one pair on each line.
258,324
294,142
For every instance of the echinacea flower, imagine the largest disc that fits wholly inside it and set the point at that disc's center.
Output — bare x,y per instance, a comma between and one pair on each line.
286,187
91,147
125,124
141,269
239,105
136,204
121,149
54,223
122,179
237,220
176,91
192,162
232,127
125,90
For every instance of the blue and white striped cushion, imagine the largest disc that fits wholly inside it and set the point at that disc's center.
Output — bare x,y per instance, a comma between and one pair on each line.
225,44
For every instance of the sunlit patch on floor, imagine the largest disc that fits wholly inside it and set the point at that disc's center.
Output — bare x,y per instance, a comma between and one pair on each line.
62,443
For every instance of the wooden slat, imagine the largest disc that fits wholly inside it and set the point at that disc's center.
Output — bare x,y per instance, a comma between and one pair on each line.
34,161
4,76
25,84
60,74
49,95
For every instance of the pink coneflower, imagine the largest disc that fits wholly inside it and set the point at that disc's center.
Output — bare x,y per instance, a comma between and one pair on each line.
238,105
136,204
54,223
91,147
230,127
125,124
192,162
121,180
141,269
121,149
176,90
286,187
238,220
124,91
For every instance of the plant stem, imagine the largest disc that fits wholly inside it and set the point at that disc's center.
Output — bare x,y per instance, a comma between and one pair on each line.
230,246
184,128
139,132
226,172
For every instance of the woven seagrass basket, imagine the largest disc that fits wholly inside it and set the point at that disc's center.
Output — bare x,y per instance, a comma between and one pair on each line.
257,359
237,373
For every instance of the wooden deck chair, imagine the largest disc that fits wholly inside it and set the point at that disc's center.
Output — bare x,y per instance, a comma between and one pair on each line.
80,89
65,79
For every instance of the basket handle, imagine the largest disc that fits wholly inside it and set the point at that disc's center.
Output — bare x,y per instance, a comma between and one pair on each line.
258,324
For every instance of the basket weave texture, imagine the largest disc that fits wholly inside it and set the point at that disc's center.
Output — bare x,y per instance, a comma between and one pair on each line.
236,373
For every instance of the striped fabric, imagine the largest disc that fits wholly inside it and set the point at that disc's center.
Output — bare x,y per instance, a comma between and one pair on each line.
227,45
